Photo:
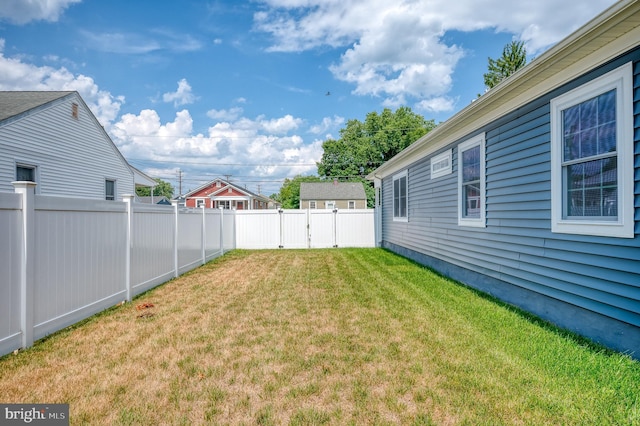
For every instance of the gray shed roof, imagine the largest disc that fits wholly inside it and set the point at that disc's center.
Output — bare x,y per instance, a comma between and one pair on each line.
14,103
332,191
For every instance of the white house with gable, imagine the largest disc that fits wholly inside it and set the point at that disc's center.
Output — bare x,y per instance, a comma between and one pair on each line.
54,140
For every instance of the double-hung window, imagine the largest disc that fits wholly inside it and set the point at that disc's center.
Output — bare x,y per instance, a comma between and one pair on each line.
400,197
592,157
471,182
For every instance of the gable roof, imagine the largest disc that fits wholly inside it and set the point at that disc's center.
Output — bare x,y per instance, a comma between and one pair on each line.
15,103
332,191
225,184
609,35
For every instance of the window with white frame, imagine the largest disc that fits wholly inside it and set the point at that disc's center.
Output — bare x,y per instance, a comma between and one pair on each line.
330,205
351,204
199,203
312,205
26,172
400,197
109,189
471,182
441,164
592,157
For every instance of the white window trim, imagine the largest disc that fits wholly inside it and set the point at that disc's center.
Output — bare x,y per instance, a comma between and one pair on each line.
115,188
351,203
438,161
313,204
620,79
36,171
393,198
478,140
330,205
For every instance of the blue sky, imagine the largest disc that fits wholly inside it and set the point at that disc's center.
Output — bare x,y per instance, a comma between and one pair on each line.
251,89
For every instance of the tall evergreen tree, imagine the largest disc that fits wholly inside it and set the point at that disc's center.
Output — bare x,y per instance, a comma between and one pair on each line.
514,57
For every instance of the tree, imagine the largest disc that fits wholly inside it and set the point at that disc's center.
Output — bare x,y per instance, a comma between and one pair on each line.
163,188
363,146
289,195
514,57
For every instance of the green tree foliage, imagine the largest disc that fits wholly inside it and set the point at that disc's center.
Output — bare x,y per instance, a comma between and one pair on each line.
163,188
289,195
514,57
363,146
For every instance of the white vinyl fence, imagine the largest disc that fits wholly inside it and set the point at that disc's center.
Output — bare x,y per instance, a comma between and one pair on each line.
65,259
262,229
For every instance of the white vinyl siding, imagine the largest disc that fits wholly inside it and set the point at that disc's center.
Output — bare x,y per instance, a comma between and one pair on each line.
73,156
471,182
592,157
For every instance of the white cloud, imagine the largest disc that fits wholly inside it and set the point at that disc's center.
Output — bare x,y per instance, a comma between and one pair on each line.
440,104
230,114
18,75
132,43
328,123
399,50
23,11
264,148
280,125
182,96
121,43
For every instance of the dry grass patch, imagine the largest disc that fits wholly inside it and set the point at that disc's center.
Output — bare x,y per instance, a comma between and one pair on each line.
320,337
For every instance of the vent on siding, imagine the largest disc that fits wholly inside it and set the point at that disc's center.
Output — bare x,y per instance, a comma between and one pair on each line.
74,110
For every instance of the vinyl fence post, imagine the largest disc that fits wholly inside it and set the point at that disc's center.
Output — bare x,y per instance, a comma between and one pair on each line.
204,235
281,214
27,264
335,227
175,241
221,231
308,228
128,198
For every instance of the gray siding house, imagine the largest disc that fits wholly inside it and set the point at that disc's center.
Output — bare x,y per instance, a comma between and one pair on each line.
532,192
53,139
331,195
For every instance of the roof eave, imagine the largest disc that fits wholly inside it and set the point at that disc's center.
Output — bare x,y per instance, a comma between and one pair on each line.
585,49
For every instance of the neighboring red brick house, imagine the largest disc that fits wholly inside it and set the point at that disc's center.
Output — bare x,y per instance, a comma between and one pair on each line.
220,193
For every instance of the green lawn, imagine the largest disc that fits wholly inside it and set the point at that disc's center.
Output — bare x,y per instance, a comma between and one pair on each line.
339,336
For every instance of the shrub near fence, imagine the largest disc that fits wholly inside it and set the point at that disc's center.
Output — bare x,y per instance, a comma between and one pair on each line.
65,259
